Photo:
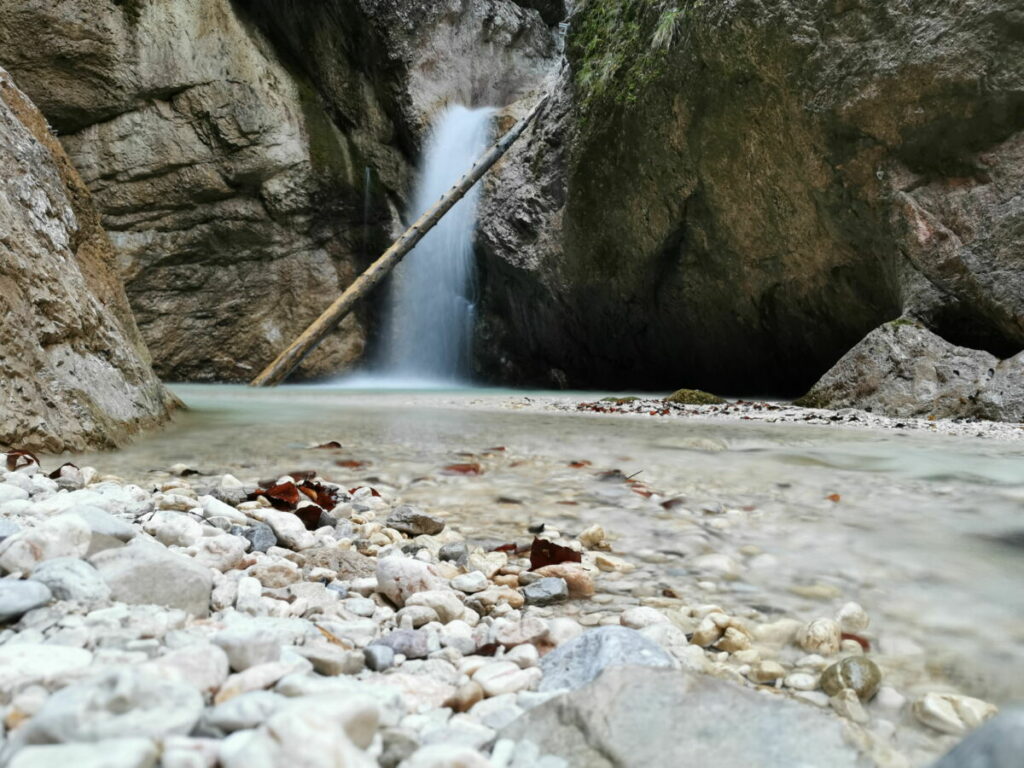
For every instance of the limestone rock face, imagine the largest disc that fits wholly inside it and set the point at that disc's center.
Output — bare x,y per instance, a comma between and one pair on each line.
902,369
730,195
74,372
238,203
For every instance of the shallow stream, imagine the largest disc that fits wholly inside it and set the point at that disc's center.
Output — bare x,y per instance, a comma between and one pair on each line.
925,531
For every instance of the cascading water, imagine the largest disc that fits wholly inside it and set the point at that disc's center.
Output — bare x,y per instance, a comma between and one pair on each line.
429,323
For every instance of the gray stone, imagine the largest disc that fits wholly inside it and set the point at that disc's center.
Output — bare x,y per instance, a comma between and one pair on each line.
901,369
999,743
103,523
379,657
72,579
76,373
413,522
247,710
347,563
332,660
397,744
411,643
453,551
636,716
546,591
582,659
261,537
143,572
109,753
20,597
127,702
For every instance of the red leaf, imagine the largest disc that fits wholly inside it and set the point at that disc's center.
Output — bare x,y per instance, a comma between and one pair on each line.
864,642
546,552
833,497
351,463
17,458
579,464
284,496
463,469
320,493
673,503
506,548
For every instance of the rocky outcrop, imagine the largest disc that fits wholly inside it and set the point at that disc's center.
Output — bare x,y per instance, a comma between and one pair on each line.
74,372
902,369
250,157
730,195
239,197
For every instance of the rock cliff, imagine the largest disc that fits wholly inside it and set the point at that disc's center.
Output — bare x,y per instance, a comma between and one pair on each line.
730,195
74,372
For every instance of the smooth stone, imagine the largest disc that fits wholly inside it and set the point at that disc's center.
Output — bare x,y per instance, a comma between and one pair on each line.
72,579
999,743
471,582
413,522
707,722
61,536
952,713
19,597
102,523
8,528
443,602
500,677
21,662
126,702
177,529
411,643
248,710
399,577
379,657
453,551
109,753
582,659
10,492
821,636
260,536
143,572
202,665
332,660
546,591
859,674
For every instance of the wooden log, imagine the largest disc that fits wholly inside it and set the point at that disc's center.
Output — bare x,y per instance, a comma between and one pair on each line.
295,352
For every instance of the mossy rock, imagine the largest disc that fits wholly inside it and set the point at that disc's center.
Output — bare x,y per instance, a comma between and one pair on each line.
620,400
693,397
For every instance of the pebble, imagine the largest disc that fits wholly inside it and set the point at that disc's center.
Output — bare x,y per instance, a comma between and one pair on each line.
856,673
108,753
852,618
398,577
547,591
19,597
260,536
471,582
952,713
62,536
821,636
639,617
455,551
69,578
501,677
378,657
580,660
767,672
413,522
143,572
411,643
801,681
444,603
579,581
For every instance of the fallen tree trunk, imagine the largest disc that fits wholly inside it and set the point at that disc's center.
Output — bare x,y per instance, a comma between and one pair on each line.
290,358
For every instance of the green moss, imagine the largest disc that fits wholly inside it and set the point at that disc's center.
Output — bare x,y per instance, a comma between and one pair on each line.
693,397
620,400
900,321
618,47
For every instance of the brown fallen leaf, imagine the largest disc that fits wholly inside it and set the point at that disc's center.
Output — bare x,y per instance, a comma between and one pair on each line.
544,552
471,468
579,464
833,497
351,463
310,516
283,496
17,458
55,475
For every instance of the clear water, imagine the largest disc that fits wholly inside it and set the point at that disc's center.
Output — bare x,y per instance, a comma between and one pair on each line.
428,328
920,536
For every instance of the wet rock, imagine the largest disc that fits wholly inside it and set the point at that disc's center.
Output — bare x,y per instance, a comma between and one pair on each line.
72,579
127,702
547,591
20,597
143,572
820,636
713,722
999,743
952,713
260,536
579,661
108,753
413,522
858,673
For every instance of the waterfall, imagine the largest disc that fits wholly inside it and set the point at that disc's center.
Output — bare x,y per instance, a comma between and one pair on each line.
429,322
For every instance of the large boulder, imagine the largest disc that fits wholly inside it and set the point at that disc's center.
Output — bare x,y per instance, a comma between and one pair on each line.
74,372
729,195
902,369
635,716
999,743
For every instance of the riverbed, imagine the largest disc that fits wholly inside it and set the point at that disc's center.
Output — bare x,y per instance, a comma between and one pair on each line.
924,530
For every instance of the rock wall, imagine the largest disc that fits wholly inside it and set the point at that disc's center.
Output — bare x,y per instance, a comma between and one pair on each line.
730,195
74,372
239,197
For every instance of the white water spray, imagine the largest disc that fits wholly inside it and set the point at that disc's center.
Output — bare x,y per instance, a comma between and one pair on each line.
429,324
